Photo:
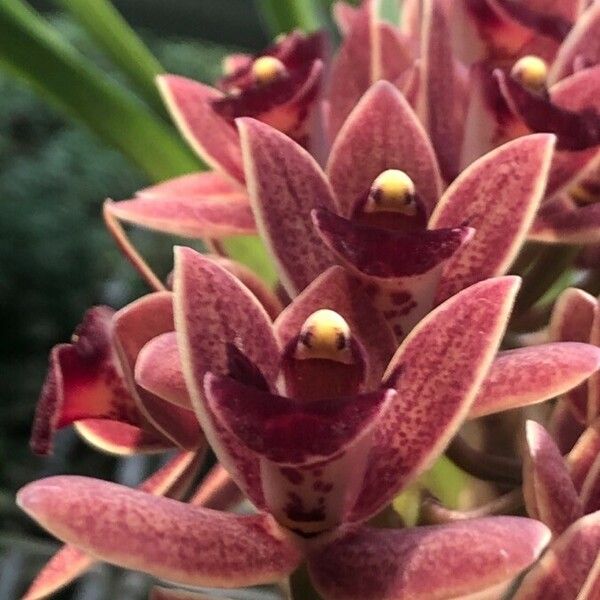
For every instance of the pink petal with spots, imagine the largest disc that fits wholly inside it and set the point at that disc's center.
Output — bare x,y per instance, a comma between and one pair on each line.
526,376
581,45
382,132
498,196
210,135
590,489
468,559
571,321
189,216
158,370
337,290
212,309
135,325
285,184
194,185
441,100
550,495
70,562
85,381
564,568
583,454
437,372
163,537
313,454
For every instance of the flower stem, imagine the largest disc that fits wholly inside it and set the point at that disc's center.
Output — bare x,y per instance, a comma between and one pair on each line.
301,586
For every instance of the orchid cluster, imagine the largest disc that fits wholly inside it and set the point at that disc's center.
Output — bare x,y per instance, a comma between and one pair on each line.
395,185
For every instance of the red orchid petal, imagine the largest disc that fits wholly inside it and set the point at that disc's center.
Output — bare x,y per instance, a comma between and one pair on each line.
594,382
70,562
569,226
382,132
135,325
158,370
590,590
344,15
580,45
564,426
217,491
285,184
563,569
337,290
441,100
571,321
313,454
438,371
583,454
590,489
86,381
370,51
531,375
498,196
212,309
271,303
163,537
428,563
550,495
209,134
194,185
189,216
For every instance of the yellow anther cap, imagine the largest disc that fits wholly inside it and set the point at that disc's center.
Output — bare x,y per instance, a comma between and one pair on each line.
394,191
267,69
531,71
325,334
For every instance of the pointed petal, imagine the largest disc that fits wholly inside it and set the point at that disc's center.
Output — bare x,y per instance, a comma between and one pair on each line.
534,374
134,326
571,321
195,185
438,370
575,226
583,454
564,426
344,14
442,94
563,569
591,588
85,381
382,132
217,491
498,196
189,216
580,45
71,562
550,495
285,184
212,308
337,290
427,563
210,135
163,537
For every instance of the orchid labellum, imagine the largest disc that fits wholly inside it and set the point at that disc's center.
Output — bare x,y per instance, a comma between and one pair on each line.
394,189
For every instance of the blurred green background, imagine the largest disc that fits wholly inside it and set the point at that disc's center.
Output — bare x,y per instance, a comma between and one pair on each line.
56,258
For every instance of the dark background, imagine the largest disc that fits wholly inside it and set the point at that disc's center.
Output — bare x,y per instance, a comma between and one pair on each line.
56,259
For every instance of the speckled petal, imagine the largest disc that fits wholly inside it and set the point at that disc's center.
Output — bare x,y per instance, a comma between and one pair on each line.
550,495
337,290
564,568
571,321
212,309
194,185
209,134
70,562
441,96
163,537
382,132
498,196
458,560
581,45
134,326
526,376
438,370
85,381
285,184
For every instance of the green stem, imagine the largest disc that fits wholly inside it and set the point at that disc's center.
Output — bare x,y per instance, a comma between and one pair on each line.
31,49
110,30
301,586
282,16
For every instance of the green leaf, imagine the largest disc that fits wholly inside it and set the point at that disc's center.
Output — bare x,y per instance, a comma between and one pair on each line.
127,51
31,49
251,251
283,16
